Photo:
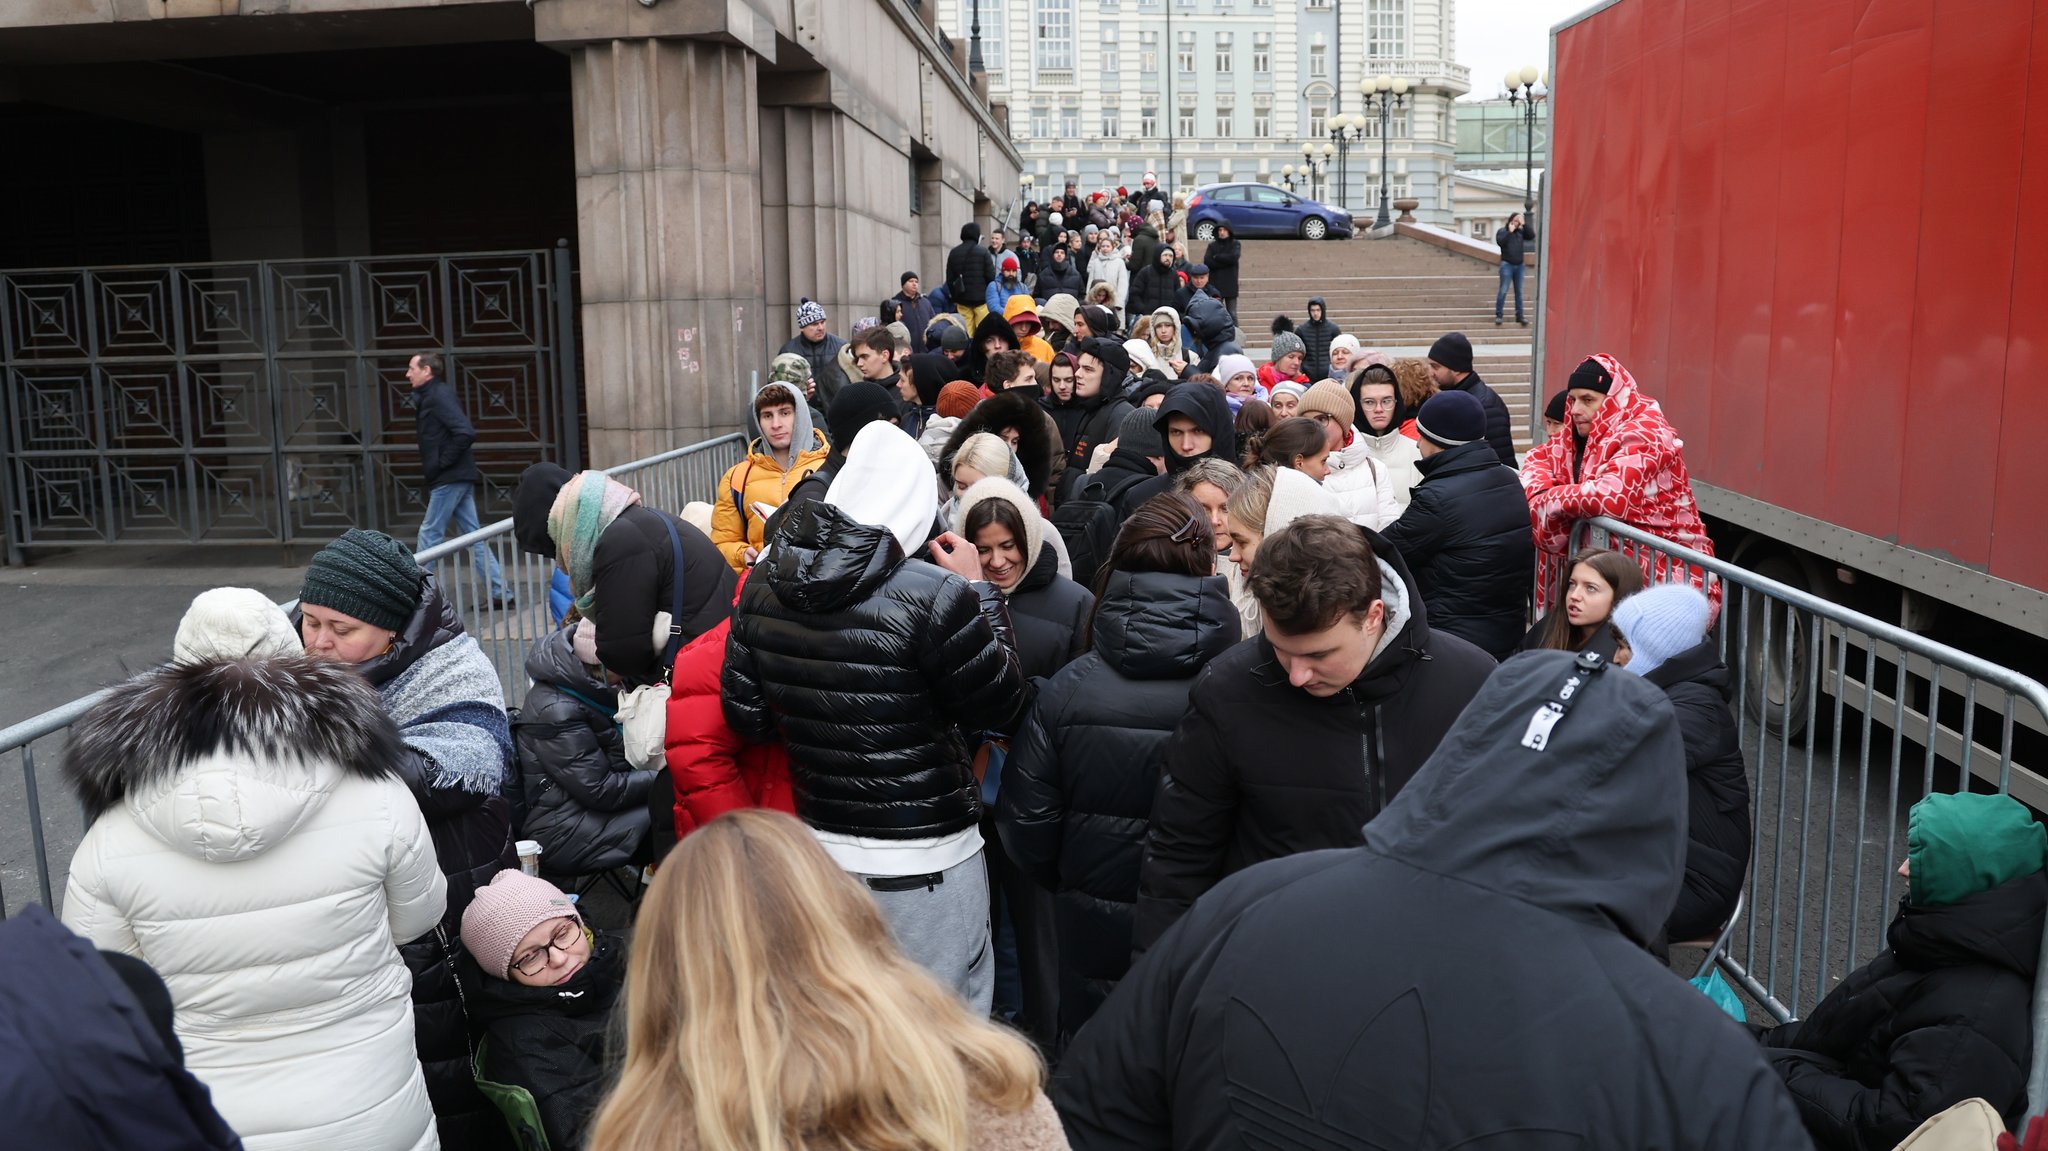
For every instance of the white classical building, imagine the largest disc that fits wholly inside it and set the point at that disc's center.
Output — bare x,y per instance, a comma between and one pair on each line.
1200,91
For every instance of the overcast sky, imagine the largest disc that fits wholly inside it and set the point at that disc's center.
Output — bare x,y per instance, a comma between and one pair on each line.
1496,35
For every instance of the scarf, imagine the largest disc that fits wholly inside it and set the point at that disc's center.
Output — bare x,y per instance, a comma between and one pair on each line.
585,506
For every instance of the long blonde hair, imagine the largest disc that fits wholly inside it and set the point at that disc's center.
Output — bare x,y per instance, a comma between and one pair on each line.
768,1010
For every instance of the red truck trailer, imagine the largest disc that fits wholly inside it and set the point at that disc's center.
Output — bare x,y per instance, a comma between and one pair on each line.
1817,233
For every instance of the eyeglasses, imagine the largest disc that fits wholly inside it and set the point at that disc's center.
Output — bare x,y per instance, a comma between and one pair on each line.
1386,405
534,961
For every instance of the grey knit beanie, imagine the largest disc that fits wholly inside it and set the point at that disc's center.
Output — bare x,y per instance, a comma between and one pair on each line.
1140,433
367,575
1284,343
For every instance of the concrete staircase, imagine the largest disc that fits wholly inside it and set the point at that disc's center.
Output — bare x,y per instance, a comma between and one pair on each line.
1396,294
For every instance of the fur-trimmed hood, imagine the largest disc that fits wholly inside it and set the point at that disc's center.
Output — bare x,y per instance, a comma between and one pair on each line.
224,759
1038,437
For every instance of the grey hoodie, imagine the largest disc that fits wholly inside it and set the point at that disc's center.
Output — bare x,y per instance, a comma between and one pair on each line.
804,438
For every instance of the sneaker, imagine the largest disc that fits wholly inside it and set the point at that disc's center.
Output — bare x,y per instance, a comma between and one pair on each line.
500,603
1496,321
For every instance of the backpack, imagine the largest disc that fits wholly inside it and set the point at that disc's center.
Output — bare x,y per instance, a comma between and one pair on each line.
1088,522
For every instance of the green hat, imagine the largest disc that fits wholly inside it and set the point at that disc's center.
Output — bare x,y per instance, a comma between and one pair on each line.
789,368
1959,845
367,575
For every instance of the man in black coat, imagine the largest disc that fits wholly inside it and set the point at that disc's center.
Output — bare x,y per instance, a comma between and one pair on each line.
1943,1014
838,622
914,309
1097,408
1058,273
1465,532
1450,365
1473,976
1295,738
448,466
1316,333
970,269
1222,257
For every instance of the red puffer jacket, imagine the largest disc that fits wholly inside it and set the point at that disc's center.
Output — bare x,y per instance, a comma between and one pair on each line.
714,769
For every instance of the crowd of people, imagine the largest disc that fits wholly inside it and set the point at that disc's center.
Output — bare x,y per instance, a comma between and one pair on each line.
1071,732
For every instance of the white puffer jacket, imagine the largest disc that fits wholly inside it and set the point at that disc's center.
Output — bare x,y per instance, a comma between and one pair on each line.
1364,489
1398,455
267,878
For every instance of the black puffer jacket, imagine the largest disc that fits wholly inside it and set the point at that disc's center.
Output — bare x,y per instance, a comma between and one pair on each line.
1466,536
1259,768
1315,337
1048,616
1056,276
1038,438
1472,976
1153,286
584,803
1222,257
1077,790
1206,406
1940,1016
969,271
1500,429
552,1040
1717,789
837,623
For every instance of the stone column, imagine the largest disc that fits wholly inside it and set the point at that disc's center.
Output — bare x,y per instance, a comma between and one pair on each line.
668,187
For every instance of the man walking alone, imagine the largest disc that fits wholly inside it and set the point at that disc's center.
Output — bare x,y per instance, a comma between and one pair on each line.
447,457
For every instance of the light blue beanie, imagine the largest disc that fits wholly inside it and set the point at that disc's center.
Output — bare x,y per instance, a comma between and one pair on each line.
1661,621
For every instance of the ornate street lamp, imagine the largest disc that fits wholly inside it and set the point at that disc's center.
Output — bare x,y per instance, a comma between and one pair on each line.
1313,164
1287,176
1383,94
1528,87
1344,128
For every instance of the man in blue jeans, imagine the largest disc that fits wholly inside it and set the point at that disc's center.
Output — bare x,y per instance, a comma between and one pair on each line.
1514,247
446,439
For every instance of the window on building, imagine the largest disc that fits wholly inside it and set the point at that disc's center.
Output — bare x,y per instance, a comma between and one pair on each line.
1386,29
1041,122
1262,53
1112,121
1319,59
1262,3
1070,120
1397,126
1262,115
1187,115
1112,5
1319,5
1482,229
1226,116
1318,119
1148,121
992,43
1223,46
1148,52
1111,58
1055,35
1185,49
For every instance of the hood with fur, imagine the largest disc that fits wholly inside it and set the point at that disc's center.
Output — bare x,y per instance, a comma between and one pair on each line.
223,760
1038,437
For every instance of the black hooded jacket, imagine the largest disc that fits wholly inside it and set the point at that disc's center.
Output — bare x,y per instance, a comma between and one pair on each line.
837,623
584,803
1222,257
1466,536
634,573
1038,438
1206,405
1153,286
1213,328
1077,790
992,327
1717,789
553,1040
1940,1016
1260,769
1500,428
1085,422
969,270
1315,337
1048,616
1472,976
1056,276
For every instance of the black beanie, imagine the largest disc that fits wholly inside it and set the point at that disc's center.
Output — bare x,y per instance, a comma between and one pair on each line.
1448,419
953,338
1554,410
1116,362
1101,321
367,575
857,405
1453,351
1591,375
532,499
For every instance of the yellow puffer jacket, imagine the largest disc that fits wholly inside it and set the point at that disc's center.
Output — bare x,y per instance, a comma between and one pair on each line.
735,526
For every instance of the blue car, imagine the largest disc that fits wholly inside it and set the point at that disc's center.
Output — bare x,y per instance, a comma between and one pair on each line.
1262,210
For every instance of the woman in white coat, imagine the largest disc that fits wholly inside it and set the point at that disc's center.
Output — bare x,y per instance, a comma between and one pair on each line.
1365,492
252,844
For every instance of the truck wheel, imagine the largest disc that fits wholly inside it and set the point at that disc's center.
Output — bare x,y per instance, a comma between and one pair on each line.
1777,684
1206,230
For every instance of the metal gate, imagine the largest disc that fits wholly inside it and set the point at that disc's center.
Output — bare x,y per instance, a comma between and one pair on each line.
267,400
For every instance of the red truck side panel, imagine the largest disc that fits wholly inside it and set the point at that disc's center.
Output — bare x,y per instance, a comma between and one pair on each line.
1810,229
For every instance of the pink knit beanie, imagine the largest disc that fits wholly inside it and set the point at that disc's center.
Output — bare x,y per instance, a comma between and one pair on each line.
501,915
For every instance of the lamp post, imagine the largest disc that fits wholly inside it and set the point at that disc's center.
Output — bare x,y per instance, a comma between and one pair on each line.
1287,176
1313,165
1344,128
1526,87
1383,94
974,67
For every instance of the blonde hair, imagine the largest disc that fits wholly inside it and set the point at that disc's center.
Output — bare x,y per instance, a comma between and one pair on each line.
1253,496
985,452
767,1010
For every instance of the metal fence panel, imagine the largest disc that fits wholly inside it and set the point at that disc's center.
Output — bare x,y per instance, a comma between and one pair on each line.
665,481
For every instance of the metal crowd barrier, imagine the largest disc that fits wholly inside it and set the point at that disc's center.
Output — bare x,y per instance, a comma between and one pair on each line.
665,481
1846,721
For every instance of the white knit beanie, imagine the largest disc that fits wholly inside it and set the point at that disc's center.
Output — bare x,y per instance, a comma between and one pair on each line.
234,623
1661,621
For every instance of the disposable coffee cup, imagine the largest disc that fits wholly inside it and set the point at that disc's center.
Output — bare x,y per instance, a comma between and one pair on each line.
529,855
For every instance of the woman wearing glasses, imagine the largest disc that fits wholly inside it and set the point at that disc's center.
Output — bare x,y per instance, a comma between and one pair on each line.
1079,781
547,1000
